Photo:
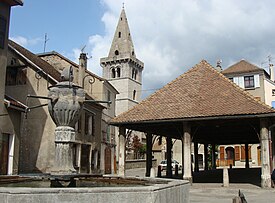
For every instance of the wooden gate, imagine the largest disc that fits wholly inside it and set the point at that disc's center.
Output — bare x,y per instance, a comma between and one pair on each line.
4,154
108,168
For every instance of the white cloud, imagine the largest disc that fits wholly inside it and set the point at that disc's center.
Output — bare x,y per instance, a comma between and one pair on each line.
25,42
171,37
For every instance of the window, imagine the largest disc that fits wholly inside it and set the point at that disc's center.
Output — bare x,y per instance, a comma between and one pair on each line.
119,34
108,97
116,52
273,104
16,76
273,92
3,25
134,95
134,74
89,124
113,73
249,81
118,72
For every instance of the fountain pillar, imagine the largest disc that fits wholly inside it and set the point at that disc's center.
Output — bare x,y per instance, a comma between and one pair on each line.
65,108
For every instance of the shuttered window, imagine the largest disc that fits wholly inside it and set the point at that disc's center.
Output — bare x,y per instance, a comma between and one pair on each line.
237,153
221,153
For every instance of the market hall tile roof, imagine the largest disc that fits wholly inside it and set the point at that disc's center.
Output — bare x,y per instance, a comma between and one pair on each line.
201,92
242,66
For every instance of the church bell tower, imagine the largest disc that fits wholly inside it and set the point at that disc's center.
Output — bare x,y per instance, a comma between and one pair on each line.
122,68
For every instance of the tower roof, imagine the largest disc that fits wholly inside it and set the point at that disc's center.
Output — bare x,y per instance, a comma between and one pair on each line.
122,42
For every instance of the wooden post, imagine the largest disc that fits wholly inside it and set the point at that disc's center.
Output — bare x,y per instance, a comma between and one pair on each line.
148,154
169,157
246,156
205,157
196,154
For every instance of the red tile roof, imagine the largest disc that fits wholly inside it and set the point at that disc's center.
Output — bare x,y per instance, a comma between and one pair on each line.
200,92
14,103
36,60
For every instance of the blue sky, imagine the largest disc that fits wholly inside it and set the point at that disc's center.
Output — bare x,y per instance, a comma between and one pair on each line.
170,37
68,25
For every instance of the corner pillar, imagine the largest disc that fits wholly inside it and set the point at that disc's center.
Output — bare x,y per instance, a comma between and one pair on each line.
187,172
264,136
121,158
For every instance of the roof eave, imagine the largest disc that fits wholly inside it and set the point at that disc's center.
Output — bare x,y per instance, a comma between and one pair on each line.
225,117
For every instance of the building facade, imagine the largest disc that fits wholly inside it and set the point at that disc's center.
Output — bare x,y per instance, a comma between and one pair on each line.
27,80
259,83
99,89
10,109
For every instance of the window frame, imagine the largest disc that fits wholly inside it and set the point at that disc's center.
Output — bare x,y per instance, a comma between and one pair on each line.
249,81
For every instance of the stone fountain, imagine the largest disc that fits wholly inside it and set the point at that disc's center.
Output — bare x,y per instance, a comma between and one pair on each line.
65,185
65,108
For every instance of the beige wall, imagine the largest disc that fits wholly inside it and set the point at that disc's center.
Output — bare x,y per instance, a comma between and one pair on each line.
268,87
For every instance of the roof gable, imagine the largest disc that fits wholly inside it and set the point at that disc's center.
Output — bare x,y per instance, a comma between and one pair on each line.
35,60
200,92
242,66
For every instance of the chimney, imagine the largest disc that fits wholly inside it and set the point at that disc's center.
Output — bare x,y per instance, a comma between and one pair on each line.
271,71
82,68
218,66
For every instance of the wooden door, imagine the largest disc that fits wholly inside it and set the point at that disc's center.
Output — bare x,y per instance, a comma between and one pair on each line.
4,154
108,167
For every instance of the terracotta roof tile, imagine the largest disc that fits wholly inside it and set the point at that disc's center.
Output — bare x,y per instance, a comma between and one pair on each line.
200,92
242,67
36,60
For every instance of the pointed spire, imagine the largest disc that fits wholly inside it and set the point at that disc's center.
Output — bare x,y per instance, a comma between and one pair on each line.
122,45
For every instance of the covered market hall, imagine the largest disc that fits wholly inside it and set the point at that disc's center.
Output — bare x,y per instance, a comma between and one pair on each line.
201,106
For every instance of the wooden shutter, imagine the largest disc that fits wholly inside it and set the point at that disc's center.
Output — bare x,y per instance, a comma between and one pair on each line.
236,80
221,153
257,80
241,82
237,153
243,153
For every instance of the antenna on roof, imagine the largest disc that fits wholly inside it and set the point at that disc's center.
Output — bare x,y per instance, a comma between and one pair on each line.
83,48
45,41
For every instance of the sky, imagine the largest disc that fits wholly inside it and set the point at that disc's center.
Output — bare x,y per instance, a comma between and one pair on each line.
170,37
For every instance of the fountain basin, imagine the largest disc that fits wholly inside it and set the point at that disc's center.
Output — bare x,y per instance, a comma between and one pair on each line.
133,190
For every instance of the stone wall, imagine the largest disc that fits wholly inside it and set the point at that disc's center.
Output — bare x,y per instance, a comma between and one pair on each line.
138,163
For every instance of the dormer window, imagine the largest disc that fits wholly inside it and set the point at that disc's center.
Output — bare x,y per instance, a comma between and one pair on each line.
116,52
249,81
